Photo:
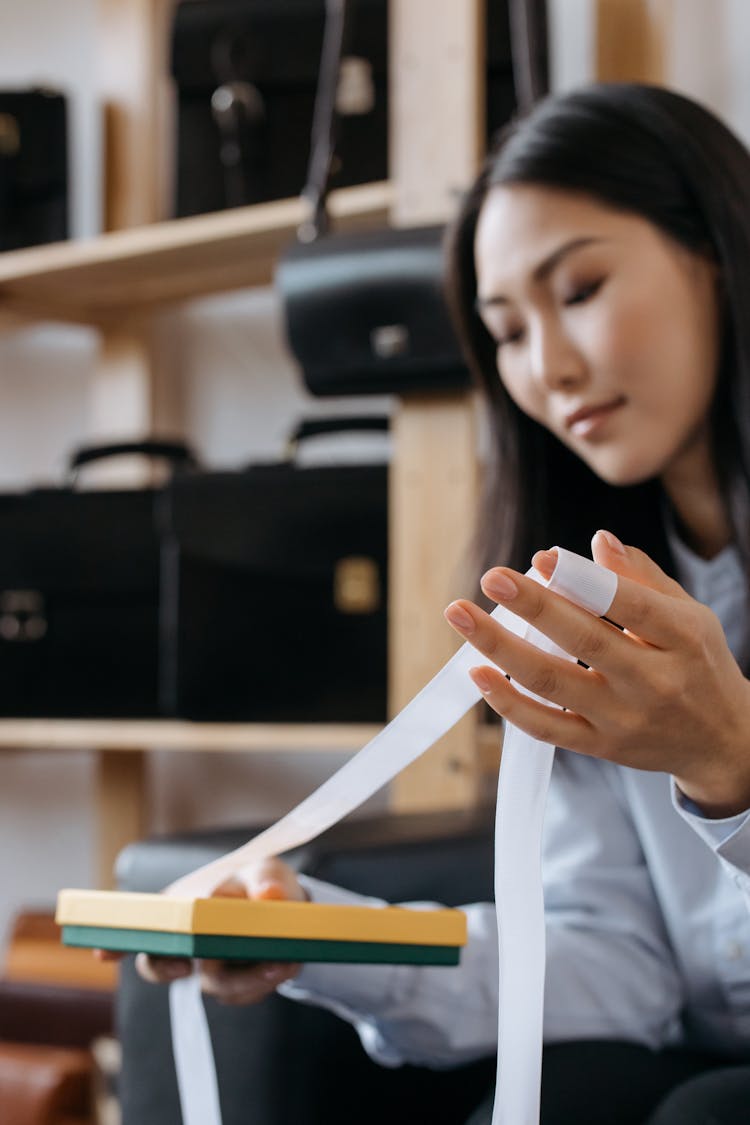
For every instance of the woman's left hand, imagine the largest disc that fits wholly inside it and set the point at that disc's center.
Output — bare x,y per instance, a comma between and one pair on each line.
664,694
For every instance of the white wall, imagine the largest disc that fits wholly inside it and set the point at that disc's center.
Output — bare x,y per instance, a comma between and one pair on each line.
241,395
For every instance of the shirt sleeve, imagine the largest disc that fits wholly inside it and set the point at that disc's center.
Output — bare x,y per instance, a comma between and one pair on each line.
428,1016
728,837
610,972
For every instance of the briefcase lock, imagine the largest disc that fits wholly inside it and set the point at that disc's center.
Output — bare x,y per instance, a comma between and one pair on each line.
10,135
390,340
355,93
22,616
356,585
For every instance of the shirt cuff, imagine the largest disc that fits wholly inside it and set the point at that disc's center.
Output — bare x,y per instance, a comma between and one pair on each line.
358,988
728,836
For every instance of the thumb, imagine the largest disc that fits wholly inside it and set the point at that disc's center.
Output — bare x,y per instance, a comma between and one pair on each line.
271,879
630,562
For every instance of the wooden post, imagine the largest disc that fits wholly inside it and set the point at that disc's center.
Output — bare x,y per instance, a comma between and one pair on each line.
122,815
134,85
632,40
134,82
437,126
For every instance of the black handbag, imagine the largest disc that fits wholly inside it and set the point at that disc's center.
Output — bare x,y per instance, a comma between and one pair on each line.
275,582
79,596
246,72
365,313
33,168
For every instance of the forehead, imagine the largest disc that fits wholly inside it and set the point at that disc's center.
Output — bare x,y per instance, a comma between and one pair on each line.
521,224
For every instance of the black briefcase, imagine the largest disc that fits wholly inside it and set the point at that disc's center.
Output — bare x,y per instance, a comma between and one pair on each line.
275,591
79,598
33,168
246,72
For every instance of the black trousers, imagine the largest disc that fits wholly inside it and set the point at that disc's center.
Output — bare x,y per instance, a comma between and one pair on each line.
611,1083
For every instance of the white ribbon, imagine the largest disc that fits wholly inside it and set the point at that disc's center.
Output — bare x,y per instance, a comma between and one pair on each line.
523,782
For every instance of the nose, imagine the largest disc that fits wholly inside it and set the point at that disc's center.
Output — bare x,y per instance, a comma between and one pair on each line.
556,363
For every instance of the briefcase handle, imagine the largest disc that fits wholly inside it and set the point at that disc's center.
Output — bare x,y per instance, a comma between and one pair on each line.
311,427
177,453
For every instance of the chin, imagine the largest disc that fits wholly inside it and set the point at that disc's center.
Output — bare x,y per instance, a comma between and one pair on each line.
621,474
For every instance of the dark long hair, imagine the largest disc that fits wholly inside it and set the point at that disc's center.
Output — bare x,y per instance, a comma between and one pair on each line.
646,150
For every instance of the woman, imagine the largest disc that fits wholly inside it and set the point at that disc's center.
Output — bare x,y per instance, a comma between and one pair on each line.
600,277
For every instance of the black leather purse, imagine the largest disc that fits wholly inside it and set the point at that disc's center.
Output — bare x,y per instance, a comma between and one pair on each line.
365,313
245,73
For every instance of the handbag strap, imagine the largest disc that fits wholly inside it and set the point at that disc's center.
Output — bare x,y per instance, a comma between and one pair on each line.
528,30
325,121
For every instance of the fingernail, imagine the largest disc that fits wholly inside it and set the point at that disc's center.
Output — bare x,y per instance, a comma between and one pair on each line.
546,561
269,890
481,679
612,542
458,616
499,586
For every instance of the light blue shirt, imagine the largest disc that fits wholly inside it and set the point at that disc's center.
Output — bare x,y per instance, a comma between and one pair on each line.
648,934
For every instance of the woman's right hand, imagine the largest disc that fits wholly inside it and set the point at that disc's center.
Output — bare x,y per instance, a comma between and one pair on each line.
225,981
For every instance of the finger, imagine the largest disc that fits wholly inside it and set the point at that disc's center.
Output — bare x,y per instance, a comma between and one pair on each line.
544,723
107,955
162,970
633,564
646,613
233,887
271,879
592,640
232,984
551,677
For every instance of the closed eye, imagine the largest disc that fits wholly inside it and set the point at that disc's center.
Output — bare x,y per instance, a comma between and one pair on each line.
511,338
584,293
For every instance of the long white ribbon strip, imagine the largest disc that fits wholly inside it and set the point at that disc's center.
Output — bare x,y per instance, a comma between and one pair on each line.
524,778
523,781
193,1055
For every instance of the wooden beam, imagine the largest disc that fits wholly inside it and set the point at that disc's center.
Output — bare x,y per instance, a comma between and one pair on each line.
437,126
632,40
134,81
134,85
121,806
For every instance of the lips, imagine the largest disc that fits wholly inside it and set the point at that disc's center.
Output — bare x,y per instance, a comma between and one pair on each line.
585,420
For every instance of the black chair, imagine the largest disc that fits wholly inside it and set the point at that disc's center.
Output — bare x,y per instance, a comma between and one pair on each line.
283,1063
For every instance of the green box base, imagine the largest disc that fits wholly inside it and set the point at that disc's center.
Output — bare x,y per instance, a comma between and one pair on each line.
228,948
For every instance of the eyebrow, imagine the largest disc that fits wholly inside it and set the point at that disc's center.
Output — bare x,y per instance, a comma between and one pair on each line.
544,269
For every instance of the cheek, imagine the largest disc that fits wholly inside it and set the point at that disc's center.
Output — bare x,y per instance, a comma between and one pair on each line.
621,337
521,388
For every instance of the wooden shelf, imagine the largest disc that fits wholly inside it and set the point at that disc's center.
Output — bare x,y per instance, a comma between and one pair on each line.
154,734
131,272
166,734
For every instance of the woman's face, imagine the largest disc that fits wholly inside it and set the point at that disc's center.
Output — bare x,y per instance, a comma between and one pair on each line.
607,330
